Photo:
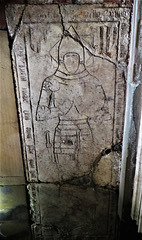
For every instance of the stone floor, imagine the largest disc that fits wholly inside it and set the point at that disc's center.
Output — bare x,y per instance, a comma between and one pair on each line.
64,212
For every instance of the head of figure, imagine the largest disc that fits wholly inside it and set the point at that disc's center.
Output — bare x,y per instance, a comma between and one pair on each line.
71,62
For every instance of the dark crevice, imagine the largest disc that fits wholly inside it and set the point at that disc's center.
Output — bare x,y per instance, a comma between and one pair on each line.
114,148
62,22
86,180
83,181
117,147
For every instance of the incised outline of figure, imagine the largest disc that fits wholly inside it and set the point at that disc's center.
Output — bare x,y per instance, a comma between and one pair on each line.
68,95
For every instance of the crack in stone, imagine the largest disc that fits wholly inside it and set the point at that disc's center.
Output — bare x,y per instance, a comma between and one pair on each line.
114,148
87,179
88,48
84,44
81,41
19,23
62,21
84,180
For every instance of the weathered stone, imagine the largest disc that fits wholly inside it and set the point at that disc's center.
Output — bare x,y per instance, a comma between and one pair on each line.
39,1
138,63
14,19
103,172
69,71
88,1
73,212
108,170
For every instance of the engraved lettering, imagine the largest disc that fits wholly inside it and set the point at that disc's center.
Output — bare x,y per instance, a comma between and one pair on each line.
25,95
32,173
22,71
31,162
29,132
26,115
31,148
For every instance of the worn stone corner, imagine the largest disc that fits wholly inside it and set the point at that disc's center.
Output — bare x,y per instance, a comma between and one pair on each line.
14,13
107,171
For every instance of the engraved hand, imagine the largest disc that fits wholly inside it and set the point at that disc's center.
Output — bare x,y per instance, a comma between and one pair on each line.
43,113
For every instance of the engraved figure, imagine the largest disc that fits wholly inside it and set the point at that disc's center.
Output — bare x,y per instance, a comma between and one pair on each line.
74,97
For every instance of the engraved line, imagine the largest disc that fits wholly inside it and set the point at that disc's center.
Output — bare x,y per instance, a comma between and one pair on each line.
116,76
114,113
89,21
19,22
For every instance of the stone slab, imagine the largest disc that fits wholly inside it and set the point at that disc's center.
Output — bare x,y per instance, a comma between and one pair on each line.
73,212
69,63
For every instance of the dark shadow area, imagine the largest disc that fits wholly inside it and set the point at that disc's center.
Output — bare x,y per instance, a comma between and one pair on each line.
67,212
129,230
14,215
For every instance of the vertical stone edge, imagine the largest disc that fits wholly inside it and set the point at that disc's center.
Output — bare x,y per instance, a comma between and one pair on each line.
129,135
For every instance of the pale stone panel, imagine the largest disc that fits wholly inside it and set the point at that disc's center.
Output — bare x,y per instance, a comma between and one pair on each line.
70,86
11,163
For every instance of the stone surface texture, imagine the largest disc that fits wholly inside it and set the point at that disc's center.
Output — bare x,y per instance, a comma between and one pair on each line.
79,213
69,64
108,170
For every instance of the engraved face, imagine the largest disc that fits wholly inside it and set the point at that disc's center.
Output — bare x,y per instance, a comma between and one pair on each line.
71,61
